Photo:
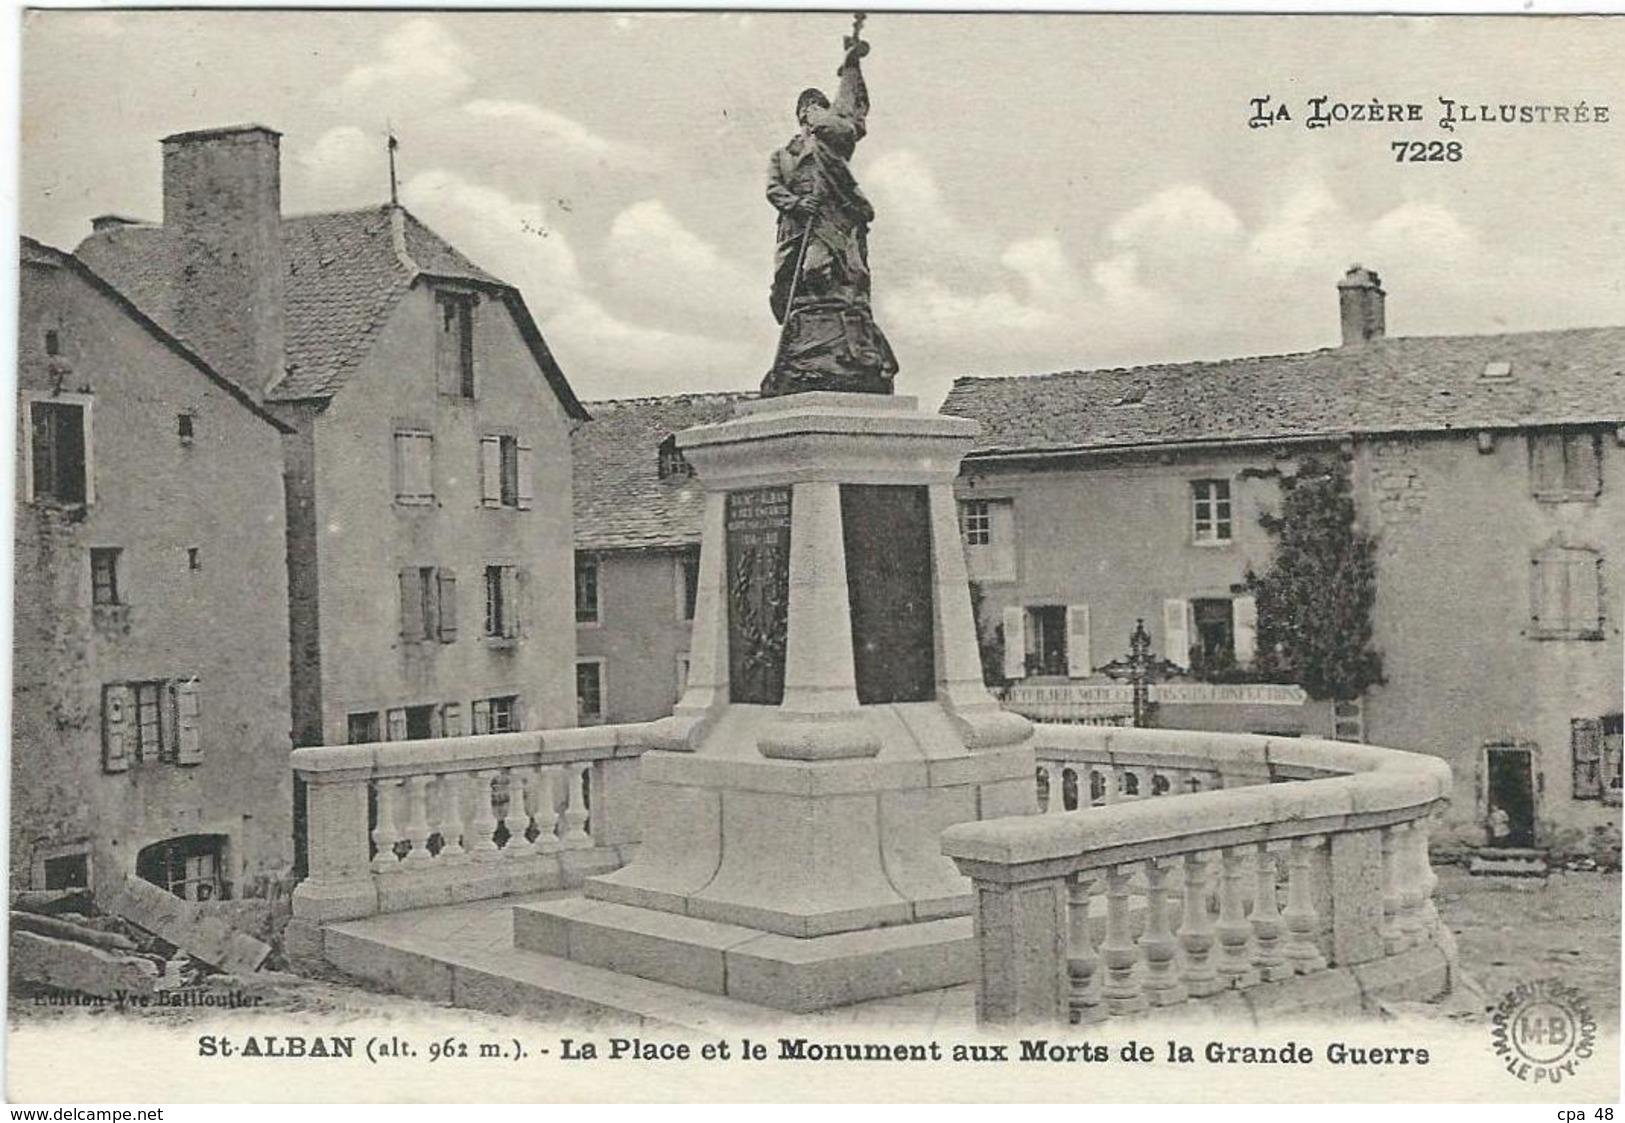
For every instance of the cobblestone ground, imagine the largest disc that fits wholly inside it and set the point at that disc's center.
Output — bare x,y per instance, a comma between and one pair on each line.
1514,930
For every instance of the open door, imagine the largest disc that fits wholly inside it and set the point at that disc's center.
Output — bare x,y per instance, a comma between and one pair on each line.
1510,814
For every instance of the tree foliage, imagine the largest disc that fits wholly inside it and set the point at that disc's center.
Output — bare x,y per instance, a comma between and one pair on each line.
1315,601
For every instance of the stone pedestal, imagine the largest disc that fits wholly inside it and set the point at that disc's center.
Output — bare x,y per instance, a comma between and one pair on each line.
788,831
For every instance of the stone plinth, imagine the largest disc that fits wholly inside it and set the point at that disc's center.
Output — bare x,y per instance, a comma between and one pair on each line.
806,820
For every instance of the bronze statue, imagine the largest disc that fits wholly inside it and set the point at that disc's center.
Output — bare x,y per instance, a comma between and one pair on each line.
828,340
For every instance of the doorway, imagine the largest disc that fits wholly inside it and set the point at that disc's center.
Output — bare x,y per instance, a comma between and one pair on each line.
1510,795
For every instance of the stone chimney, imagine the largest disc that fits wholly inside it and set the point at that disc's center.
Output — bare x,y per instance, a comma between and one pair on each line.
223,211
1361,296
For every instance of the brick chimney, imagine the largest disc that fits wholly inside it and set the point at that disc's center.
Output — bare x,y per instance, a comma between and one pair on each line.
223,210
1361,296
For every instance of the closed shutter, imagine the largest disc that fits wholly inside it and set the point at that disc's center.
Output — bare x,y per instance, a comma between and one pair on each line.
1015,642
188,737
1244,612
115,728
1585,469
527,484
491,471
510,601
1176,631
482,717
397,725
1078,663
1585,592
1546,462
1585,740
1001,557
451,715
411,605
447,579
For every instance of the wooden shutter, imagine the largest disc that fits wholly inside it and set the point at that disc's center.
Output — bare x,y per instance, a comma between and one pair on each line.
1244,616
1585,591
1585,738
1585,468
447,579
491,471
510,601
1546,462
526,482
451,719
396,725
1176,631
482,717
188,737
411,604
1015,642
116,716
1077,641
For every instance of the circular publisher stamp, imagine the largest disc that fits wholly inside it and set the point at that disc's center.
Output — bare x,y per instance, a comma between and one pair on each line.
1542,1030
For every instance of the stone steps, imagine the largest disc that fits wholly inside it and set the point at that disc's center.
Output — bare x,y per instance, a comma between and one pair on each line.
1509,862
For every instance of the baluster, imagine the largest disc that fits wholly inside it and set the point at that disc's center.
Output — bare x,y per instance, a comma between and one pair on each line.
1300,916
1082,962
1410,921
1235,965
1162,984
1422,828
547,814
1122,991
1266,919
451,817
1196,932
1393,845
384,832
483,825
1054,799
575,811
1069,780
517,819
1098,781
417,822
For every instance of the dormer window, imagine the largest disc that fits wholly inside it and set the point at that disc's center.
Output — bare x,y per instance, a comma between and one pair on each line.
672,462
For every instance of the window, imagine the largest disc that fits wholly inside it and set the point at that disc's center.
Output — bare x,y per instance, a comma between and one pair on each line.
188,867
1566,594
976,522
59,440
1565,466
688,585
185,427
194,560
454,344
497,715
70,871
1211,509
587,607
1046,640
1215,647
53,343
414,467
413,723
988,529
501,602
363,728
505,473
428,604
104,588
155,721
671,463
590,692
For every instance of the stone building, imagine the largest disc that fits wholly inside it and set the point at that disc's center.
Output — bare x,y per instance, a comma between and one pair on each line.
637,538
428,473
1490,471
150,646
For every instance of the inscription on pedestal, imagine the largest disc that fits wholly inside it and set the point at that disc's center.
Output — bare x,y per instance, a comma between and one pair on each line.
758,532
888,578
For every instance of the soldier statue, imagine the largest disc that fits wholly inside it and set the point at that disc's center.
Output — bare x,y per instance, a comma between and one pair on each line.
828,339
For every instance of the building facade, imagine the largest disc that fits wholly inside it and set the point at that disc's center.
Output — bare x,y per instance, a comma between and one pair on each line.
427,471
150,706
637,536
1489,471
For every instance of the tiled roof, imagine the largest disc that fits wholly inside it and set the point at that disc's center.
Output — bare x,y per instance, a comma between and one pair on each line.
345,275
1402,385
620,500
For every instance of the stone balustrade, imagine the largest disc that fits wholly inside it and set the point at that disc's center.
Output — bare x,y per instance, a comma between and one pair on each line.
406,824
1172,866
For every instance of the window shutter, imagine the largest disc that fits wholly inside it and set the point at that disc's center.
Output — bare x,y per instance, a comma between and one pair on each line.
1585,468
1077,641
448,604
1001,562
115,728
1546,462
510,601
1585,737
1245,618
1585,593
411,604
451,718
1176,631
491,471
188,737
1015,642
397,725
527,486
482,717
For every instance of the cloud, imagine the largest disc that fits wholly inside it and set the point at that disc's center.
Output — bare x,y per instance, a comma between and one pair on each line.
343,167
658,262
421,65
545,125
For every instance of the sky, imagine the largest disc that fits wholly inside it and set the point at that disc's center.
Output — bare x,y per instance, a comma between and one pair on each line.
1051,191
